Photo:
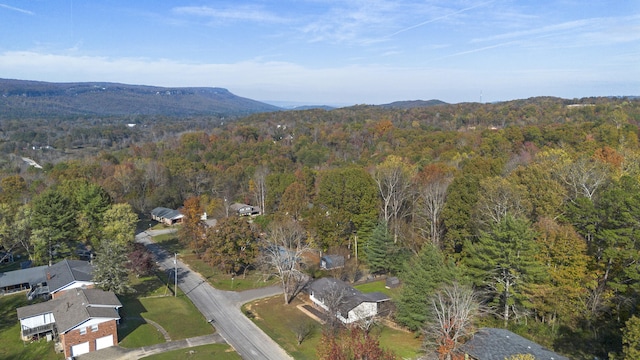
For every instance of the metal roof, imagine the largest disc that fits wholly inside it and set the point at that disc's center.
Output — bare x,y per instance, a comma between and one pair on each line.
29,276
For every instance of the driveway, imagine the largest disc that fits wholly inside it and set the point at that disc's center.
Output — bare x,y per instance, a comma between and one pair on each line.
222,308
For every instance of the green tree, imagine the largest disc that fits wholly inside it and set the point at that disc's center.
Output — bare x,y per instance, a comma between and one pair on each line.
231,245
90,201
120,225
423,275
53,218
110,272
503,264
631,339
350,197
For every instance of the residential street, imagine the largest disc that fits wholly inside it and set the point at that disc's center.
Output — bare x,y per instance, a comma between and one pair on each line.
221,307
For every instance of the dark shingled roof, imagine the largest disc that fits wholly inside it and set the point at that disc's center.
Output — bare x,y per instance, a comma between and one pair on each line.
166,213
353,297
75,307
498,344
66,272
37,309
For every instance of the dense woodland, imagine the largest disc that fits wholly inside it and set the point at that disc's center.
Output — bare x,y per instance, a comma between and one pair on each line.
534,204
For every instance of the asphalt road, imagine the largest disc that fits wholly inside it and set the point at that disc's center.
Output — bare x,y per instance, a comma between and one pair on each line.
222,308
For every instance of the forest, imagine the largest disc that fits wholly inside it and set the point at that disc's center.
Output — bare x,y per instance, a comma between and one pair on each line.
532,204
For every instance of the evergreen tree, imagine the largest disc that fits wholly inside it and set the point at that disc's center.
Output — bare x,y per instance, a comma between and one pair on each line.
379,248
54,220
503,263
110,272
423,275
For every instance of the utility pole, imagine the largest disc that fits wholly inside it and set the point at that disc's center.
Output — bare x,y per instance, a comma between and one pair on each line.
175,272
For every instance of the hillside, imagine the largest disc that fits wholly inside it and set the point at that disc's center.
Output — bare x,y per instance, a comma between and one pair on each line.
20,99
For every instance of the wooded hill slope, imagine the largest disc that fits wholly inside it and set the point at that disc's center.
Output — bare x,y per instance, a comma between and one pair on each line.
534,203
19,99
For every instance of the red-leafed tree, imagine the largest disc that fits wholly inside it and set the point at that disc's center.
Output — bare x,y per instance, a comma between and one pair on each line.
140,260
352,344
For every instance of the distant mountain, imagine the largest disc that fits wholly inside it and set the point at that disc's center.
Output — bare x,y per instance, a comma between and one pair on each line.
20,98
412,104
311,107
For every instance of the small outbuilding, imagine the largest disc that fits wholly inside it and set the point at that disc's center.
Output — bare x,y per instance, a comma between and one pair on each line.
329,262
392,282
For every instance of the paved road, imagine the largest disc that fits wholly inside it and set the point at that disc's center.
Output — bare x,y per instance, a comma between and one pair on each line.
223,307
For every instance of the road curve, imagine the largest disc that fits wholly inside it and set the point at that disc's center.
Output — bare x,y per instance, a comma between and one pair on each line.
219,307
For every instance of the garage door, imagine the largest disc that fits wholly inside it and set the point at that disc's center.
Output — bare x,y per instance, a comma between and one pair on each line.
80,349
104,342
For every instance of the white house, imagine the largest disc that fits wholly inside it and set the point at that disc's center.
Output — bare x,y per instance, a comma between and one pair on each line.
352,305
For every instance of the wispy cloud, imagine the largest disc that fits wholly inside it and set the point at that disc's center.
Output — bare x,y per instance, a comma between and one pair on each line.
439,18
17,9
238,13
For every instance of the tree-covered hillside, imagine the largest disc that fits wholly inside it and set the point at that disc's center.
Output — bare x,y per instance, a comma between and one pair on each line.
534,203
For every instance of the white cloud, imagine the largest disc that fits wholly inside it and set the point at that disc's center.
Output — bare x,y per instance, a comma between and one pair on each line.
238,13
12,8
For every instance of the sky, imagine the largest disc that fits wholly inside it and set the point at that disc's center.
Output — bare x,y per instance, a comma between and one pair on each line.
330,52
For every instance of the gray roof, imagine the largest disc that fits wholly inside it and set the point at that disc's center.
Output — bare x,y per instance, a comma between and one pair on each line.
30,276
37,309
352,296
498,344
66,272
166,213
75,308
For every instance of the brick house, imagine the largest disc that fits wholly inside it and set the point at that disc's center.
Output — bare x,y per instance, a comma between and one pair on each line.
82,320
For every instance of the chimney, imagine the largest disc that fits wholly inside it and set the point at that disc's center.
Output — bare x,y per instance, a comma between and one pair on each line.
48,275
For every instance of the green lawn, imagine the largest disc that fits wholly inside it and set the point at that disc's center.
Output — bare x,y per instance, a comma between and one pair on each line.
204,352
278,320
379,286
154,300
12,347
216,278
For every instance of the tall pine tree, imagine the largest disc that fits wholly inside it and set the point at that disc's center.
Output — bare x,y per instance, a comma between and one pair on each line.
424,274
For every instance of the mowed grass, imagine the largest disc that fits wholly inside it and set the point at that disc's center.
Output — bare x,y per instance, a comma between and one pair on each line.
204,352
216,278
278,321
379,286
12,346
154,300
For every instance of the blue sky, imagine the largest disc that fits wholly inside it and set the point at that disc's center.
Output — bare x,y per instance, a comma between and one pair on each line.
332,52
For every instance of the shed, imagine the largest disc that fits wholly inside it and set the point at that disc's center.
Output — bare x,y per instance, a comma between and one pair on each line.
329,262
392,282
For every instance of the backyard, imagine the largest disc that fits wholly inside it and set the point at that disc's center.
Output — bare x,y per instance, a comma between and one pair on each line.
280,321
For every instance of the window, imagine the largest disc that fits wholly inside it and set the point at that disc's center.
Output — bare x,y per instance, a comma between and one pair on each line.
94,328
83,331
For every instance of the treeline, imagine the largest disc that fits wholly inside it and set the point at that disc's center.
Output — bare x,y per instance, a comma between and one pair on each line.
535,203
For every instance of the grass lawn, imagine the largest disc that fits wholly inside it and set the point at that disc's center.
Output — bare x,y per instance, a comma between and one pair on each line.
153,300
216,278
213,351
12,347
379,286
277,320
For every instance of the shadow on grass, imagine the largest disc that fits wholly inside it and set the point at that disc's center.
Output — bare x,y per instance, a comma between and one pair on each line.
130,316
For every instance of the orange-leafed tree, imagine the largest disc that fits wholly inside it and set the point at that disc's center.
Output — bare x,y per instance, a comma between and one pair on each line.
192,232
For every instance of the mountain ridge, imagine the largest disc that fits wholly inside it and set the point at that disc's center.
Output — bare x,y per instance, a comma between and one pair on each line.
20,98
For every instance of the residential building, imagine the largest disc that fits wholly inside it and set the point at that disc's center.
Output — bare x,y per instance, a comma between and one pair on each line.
351,304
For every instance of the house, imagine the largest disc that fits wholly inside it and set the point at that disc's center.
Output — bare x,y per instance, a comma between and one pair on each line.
166,216
48,280
329,262
69,274
82,320
245,210
500,344
352,305
23,279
